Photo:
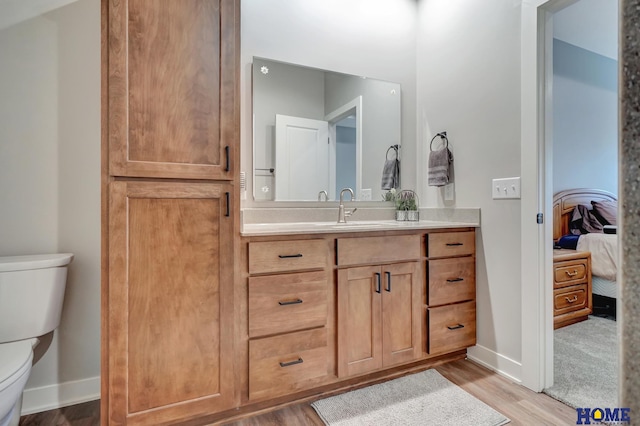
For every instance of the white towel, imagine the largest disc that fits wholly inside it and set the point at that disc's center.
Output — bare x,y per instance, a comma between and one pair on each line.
440,167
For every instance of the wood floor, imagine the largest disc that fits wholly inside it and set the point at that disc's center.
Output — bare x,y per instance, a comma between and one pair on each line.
519,404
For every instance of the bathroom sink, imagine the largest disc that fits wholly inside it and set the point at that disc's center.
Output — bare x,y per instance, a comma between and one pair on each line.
356,225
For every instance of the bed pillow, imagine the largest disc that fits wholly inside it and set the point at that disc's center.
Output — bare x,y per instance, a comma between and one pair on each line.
606,211
583,221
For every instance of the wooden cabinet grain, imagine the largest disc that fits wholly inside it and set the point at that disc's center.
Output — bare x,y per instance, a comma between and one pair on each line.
172,89
170,347
378,306
170,142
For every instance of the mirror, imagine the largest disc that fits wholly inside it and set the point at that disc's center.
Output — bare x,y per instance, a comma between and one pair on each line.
316,132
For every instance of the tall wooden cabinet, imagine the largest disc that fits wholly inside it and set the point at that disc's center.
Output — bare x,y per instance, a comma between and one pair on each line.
170,216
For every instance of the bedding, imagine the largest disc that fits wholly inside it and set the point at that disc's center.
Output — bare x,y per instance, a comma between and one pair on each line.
605,211
604,253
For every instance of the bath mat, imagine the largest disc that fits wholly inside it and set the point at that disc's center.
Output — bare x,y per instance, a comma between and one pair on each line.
424,398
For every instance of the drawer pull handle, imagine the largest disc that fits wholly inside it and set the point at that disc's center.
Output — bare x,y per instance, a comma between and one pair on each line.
289,256
572,274
378,282
388,274
290,302
455,327
572,300
290,363
454,244
455,280
226,155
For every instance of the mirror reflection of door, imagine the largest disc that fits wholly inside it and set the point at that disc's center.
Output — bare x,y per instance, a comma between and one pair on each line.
302,158
346,153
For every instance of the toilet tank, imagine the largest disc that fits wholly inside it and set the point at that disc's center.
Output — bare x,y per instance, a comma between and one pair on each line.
31,294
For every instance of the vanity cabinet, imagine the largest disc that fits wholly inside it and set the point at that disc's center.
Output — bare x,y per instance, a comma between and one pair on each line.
289,332
451,291
378,305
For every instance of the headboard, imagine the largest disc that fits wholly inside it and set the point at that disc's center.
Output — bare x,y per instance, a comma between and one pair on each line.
565,201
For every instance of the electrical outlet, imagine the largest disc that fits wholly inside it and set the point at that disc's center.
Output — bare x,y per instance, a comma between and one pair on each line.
505,188
449,192
365,194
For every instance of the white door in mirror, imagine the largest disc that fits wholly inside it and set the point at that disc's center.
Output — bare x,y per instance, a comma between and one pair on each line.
303,166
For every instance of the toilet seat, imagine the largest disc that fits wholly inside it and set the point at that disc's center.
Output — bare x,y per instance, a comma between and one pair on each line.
15,360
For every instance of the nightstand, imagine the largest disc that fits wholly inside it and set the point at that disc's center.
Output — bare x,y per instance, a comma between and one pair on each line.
572,299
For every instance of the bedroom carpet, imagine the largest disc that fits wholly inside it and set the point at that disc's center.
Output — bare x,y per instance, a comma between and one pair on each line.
424,398
586,364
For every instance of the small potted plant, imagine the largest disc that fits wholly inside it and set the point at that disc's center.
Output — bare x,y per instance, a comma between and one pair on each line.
407,205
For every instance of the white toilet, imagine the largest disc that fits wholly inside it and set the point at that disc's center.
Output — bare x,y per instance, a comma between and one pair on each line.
31,294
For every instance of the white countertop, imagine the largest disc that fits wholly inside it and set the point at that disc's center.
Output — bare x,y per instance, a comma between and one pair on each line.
265,229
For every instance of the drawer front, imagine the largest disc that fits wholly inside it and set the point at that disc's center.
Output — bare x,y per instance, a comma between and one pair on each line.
448,244
285,364
569,272
283,303
451,327
570,299
451,280
368,250
282,256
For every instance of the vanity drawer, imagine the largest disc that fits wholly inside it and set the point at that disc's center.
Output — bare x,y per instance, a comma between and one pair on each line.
288,363
570,299
569,272
446,244
451,280
283,303
282,256
451,327
367,250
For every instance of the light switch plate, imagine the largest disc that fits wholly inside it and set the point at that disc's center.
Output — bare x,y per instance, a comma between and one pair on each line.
505,188
365,194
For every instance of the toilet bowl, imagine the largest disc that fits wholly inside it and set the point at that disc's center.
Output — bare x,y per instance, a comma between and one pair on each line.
15,366
32,291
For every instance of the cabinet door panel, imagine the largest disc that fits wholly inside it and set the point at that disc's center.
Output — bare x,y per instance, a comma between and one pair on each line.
359,308
170,300
172,88
401,313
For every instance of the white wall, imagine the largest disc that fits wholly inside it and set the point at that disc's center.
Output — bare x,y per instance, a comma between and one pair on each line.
585,119
50,182
361,37
469,85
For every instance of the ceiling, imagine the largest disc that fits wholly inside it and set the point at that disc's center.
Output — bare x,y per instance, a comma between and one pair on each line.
589,24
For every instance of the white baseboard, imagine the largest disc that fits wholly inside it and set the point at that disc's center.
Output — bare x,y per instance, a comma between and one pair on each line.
36,400
502,365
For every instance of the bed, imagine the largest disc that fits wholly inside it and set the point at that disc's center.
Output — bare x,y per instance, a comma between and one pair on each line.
603,247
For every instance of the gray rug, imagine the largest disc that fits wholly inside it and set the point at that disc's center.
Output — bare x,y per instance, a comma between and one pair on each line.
424,398
585,372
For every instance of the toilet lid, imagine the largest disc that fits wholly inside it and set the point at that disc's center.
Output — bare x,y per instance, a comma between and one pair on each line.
15,358
34,261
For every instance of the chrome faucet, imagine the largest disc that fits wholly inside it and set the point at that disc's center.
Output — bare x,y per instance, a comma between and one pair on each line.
321,193
342,214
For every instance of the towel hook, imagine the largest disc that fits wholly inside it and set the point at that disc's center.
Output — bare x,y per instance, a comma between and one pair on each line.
443,137
394,147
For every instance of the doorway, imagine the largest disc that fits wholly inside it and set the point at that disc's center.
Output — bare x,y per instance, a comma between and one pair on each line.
537,191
